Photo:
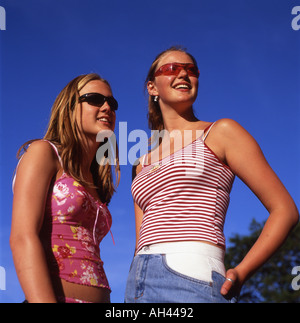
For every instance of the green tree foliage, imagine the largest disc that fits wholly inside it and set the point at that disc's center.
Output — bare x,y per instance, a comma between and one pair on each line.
273,282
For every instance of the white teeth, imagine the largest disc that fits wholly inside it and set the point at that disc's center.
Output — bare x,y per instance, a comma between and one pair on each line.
182,86
103,119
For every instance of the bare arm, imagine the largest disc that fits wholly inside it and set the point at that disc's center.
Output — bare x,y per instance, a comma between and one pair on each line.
138,222
245,158
137,210
34,175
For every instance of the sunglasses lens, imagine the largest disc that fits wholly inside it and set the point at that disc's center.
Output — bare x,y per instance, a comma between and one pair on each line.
192,71
97,100
112,103
168,69
175,68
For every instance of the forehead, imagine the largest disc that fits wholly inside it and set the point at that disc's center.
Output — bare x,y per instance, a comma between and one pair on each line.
175,57
96,86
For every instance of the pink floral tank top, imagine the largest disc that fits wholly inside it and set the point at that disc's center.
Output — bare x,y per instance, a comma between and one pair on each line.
75,224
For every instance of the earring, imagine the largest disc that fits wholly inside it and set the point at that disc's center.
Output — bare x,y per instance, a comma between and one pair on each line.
156,98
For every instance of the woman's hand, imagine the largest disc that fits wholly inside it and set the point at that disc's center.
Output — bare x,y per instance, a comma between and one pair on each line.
232,285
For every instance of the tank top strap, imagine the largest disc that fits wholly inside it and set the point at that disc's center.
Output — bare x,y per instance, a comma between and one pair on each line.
58,156
56,151
207,130
144,160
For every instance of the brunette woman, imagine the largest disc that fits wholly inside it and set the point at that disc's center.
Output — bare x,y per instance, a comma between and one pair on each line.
181,194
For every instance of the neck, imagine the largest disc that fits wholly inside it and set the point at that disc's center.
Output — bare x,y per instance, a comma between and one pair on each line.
89,150
174,120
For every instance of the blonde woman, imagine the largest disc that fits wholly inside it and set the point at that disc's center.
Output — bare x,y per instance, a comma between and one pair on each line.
181,194
61,194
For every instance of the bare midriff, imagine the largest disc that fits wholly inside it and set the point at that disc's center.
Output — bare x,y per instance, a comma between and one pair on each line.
84,293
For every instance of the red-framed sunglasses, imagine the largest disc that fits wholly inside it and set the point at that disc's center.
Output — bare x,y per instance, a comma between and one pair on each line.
176,68
97,100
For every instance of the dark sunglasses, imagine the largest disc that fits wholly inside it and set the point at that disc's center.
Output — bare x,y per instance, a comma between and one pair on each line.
176,68
97,100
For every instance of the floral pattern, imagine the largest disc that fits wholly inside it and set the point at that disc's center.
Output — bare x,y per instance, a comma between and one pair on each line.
78,223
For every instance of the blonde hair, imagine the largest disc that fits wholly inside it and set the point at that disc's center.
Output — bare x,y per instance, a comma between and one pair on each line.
155,118
63,131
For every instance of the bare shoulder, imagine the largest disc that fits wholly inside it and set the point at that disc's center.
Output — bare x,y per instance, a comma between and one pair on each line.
222,127
239,148
36,169
228,126
41,145
40,154
229,140
231,132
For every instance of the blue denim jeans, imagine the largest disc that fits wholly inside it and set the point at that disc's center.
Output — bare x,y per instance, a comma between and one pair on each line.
151,280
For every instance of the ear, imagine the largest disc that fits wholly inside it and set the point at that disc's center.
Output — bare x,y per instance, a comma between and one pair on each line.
152,88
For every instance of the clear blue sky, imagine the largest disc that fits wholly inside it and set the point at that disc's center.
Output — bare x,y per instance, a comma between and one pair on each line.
248,55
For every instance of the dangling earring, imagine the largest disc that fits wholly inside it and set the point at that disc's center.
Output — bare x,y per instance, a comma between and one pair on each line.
156,98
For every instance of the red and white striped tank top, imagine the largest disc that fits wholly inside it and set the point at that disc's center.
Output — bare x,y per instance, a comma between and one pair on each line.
184,197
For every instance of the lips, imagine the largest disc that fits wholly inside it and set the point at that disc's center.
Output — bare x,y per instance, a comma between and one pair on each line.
182,86
105,119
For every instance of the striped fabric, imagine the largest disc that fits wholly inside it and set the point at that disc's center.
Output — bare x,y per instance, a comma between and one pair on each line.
184,197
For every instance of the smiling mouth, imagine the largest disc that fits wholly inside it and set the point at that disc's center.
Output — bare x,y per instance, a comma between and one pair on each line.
182,86
104,119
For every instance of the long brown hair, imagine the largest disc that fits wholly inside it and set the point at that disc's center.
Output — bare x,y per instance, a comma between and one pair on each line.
155,118
63,132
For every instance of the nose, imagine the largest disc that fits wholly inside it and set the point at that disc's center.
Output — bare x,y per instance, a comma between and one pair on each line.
183,73
105,107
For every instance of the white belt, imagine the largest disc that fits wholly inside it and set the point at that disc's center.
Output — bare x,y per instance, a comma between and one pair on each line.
190,258
199,248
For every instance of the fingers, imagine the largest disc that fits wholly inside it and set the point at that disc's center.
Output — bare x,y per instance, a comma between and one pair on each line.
231,278
227,286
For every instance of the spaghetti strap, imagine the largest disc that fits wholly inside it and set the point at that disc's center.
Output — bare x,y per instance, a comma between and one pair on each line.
56,151
58,156
207,130
144,160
